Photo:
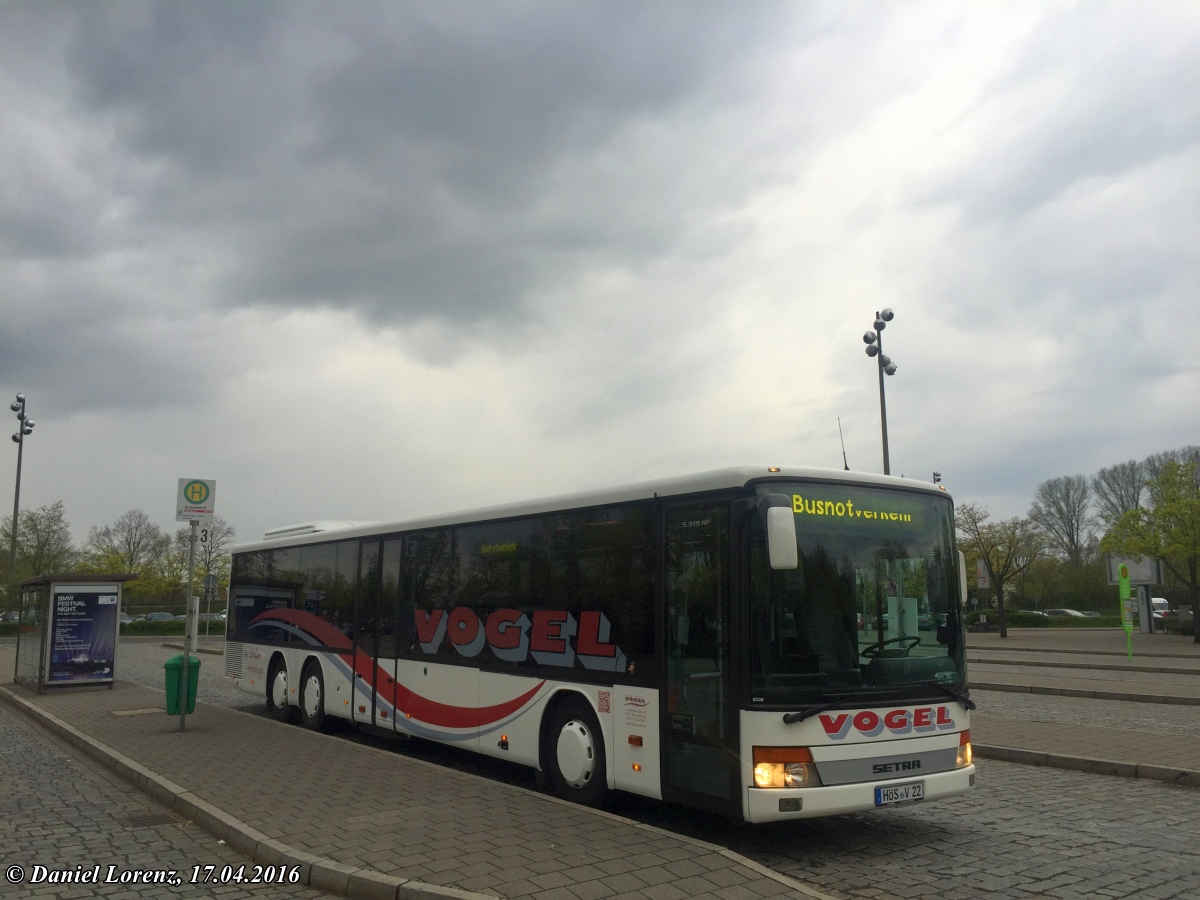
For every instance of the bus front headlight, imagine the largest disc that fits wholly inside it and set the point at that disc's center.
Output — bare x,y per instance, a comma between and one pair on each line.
964,751
784,767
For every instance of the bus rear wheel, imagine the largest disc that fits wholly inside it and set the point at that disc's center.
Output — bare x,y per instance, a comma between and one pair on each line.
277,691
312,697
573,750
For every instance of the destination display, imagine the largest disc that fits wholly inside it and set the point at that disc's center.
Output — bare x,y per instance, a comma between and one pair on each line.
83,635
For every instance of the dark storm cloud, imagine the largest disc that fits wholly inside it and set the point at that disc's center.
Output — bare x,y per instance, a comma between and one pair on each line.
407,162
83,359
183,79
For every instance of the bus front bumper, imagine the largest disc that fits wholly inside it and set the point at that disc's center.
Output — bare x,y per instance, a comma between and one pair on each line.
781,804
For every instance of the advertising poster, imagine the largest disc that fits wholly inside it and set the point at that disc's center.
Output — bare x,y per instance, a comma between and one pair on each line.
83,635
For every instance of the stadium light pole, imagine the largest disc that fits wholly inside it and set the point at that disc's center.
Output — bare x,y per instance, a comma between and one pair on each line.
26,426
874,342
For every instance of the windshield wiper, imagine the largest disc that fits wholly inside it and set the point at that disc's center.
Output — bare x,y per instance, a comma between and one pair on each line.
951,692
791,718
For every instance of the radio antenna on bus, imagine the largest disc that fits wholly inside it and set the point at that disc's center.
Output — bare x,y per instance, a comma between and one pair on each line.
843,440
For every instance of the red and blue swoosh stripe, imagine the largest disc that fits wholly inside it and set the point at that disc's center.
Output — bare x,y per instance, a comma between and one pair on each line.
406,702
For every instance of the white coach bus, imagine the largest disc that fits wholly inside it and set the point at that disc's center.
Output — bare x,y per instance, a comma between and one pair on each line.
768,643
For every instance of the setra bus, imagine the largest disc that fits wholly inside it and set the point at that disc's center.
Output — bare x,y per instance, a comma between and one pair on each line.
767,643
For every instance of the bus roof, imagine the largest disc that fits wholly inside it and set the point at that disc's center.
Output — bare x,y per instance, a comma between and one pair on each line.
682,485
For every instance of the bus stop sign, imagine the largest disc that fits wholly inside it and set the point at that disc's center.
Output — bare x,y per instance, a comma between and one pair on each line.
196,500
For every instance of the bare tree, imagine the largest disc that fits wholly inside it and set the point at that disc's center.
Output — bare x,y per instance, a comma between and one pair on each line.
212,548
1060,509
1153,465
131,544
1118,490
1007,548
212,555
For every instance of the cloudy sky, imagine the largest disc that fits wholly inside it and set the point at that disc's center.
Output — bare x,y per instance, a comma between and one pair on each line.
371,260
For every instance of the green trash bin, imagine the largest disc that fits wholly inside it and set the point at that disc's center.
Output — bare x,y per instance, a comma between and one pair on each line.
174,669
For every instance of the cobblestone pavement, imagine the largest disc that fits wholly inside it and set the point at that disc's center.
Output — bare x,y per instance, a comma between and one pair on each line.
1024,832
141,661
61,811
1156,718
1102,679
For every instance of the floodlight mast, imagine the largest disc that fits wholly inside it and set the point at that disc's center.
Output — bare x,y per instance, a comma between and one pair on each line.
874,342
25,427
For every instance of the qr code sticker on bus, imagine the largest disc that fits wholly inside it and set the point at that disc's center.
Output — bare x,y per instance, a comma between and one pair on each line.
604,701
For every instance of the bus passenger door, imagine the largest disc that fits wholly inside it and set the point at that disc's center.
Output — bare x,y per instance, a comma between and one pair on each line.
394,630
700,719
366,634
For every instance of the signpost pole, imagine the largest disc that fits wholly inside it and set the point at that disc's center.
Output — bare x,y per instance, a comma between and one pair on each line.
189,636
193,503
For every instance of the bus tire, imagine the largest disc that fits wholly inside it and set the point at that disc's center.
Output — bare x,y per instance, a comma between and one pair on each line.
573,751
277,691
312,697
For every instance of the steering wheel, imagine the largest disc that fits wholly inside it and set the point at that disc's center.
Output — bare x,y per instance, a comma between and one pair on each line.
875,650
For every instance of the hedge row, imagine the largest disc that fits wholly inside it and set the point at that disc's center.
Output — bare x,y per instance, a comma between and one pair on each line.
135,629
144,627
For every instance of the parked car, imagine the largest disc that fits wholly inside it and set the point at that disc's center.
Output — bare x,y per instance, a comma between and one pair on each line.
1159,608
1092,614
1064,612
160,617
126,618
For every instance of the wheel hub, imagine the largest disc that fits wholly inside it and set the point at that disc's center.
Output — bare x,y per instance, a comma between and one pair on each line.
576,754
279,689
312,697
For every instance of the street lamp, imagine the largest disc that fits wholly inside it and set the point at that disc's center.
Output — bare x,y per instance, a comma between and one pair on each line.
26,426
874,342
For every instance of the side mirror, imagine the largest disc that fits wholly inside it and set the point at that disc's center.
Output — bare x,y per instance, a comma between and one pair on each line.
962,578
781,533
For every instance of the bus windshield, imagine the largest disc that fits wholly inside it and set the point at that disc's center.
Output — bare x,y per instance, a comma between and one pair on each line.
873,607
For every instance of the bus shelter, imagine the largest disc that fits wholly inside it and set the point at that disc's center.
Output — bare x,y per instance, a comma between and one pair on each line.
69,629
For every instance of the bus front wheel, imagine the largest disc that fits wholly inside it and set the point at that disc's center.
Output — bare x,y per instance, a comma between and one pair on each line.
573,750
277,691
312,697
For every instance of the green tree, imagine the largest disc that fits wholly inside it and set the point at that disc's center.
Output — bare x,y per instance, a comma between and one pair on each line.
132,544
1007,548
1169,530
43,542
